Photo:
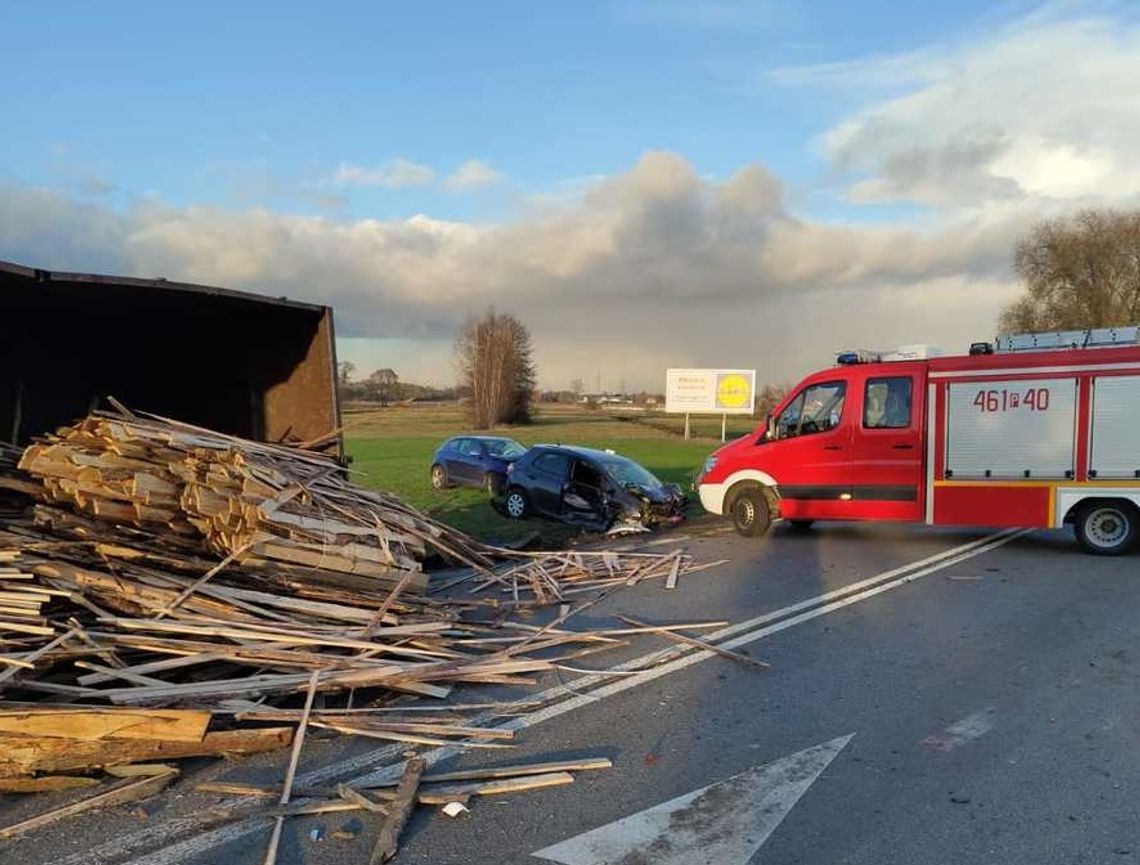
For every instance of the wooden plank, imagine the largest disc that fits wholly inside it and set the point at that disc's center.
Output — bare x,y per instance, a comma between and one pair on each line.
701,644
175,725
291,770
350,795
31,657
443,794
518,770
21,755
46,784
130,790
388,841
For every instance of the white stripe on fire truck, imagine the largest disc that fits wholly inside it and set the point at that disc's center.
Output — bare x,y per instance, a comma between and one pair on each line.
1032,370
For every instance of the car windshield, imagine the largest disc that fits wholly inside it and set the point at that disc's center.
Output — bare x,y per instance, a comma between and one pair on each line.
505,448
626,471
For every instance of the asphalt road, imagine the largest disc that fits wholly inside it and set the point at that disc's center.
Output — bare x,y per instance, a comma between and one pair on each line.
988,685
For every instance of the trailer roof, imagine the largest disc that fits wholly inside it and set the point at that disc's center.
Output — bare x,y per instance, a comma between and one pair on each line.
61,277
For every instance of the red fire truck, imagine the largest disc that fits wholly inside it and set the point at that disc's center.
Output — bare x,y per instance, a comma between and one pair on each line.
1037,430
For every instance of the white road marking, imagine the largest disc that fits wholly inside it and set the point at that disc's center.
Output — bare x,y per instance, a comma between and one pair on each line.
960,732
721,824
587,690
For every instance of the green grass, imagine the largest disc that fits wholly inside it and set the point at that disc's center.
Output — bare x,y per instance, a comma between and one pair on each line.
392,448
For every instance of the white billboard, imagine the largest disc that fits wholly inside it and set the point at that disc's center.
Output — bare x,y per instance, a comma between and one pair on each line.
710,391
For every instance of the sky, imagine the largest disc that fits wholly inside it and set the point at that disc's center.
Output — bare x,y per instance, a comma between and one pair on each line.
644,184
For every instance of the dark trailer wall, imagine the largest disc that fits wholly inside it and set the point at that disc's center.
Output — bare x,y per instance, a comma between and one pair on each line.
239,363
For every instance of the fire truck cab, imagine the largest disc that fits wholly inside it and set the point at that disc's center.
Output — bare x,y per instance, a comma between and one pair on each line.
1036,430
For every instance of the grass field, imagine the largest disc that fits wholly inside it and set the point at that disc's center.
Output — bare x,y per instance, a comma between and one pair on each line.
392,448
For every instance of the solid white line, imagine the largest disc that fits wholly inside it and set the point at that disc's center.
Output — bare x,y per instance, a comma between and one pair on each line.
743,633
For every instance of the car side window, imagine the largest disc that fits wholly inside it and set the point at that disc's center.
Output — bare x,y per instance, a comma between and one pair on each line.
887,403
817,408
585,474
469,447
556,465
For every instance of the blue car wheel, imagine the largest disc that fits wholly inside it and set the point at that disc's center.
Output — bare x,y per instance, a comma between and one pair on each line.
438,477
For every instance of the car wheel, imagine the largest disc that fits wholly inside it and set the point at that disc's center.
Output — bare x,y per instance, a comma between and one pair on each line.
751,515
517,507
801,525
1107,528
438,477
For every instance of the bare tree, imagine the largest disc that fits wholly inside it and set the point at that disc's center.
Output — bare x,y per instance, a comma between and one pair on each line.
577,386
1078,272
384,382
768,397
494,357
344,371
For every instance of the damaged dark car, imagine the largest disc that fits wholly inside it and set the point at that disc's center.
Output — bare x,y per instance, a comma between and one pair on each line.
598,490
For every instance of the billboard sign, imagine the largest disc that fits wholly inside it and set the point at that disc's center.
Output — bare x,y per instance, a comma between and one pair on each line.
710,391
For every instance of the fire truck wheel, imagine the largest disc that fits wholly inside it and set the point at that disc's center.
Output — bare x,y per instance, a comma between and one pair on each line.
750,513
1107,528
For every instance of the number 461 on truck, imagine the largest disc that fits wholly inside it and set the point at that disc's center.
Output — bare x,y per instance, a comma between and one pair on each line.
1036,430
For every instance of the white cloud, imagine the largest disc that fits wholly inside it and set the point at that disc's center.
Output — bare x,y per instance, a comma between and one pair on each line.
650,267
1043,108
471,175
395,173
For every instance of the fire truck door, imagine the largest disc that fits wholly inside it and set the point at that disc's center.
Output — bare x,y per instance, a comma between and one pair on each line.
811,456
886,449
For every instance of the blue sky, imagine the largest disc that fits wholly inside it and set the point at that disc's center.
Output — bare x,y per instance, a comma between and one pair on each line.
771,180
259,103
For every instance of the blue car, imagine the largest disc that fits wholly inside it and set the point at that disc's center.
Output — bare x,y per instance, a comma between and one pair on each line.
475,461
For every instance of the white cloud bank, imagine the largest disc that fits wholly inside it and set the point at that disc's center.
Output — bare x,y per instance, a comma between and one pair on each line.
471,175
658,266
1044,108
397,173
653,267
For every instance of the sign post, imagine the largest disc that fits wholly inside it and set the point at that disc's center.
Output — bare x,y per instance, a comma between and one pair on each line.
710,391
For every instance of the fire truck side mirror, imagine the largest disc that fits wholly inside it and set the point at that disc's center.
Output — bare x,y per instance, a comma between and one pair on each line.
771,436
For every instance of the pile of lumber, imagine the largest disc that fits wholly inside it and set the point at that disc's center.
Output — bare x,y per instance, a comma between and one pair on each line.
157,576
275,507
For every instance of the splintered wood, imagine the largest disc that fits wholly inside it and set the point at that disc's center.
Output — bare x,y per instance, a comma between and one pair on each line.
268,506
167,592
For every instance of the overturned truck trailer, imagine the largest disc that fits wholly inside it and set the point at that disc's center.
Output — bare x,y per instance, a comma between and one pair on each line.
252,366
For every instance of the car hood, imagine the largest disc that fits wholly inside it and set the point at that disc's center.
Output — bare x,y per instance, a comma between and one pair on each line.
656,494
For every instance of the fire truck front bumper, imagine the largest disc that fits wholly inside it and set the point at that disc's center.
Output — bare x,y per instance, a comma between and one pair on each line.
712,496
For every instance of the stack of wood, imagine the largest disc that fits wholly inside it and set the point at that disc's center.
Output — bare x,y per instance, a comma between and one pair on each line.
271,506
165,577
169,592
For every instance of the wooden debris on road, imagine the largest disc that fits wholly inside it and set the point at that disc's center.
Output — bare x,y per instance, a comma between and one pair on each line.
399,812
167,591
415,785
142,785
701,644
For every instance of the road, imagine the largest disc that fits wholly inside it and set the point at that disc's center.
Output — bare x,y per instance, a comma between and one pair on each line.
976,697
